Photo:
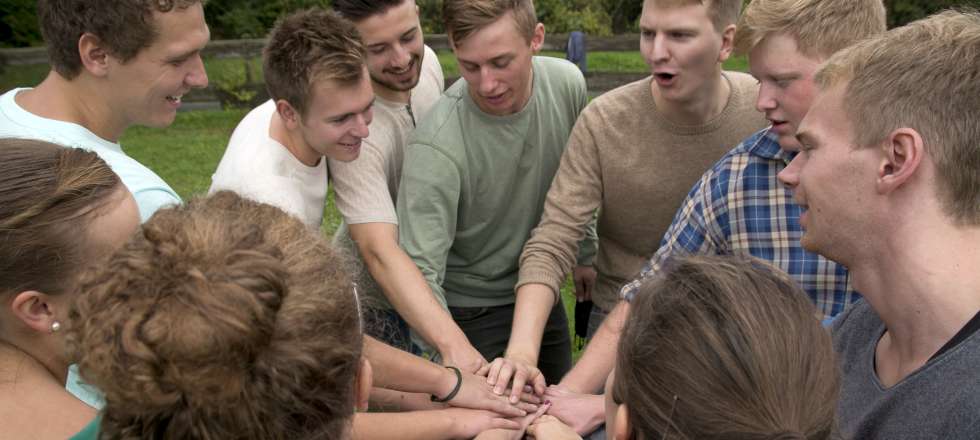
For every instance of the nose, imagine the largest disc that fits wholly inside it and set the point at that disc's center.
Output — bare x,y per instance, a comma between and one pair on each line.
488,81
196,77
660,52
402,57
790,176
361,129
766,100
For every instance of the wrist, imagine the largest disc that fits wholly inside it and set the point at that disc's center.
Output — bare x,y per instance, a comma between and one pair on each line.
523,354
449,386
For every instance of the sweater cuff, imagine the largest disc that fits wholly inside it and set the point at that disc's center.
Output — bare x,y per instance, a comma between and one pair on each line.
540,276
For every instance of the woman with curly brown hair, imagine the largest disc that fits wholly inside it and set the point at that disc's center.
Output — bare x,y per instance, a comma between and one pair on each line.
61,209
206,326
719,348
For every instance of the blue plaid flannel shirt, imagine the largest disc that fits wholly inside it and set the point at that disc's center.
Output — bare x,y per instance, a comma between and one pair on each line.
739,207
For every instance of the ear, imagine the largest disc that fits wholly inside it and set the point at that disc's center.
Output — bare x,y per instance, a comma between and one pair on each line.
35,310
537,38
94,57
622,430
727,43
363,386
288,113
903,152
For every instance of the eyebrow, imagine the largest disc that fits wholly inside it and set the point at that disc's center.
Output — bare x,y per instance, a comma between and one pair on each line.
341,116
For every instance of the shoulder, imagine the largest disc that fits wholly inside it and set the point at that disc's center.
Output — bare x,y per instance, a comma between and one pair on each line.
742,81
558,72
856,326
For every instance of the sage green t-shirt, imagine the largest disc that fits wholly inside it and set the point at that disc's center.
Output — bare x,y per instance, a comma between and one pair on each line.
473,185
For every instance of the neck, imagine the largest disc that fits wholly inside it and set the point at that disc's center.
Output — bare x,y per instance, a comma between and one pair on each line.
30,366
706,103
77,101
391,95
923,283
293,141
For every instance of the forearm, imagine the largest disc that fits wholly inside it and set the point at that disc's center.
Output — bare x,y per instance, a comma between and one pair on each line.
590,372
409,293
402,371
386,400
533,305
421,425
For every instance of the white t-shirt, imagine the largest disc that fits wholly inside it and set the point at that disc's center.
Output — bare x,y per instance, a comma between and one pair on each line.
262,169
149,190
365,189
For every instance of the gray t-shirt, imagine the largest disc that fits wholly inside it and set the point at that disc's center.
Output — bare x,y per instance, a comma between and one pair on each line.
941,400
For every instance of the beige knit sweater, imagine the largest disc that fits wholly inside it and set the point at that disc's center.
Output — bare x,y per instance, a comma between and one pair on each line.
625,158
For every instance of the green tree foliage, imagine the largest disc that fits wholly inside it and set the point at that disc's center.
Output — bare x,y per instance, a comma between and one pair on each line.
901,12
230,19
19,27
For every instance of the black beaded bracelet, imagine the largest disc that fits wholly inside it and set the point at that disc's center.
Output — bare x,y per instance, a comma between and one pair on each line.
459,384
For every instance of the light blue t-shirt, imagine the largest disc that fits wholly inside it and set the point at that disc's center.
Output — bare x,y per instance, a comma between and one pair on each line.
149,190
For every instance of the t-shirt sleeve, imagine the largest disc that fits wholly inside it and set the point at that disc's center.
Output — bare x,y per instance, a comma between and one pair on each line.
428,202
361,187
150,201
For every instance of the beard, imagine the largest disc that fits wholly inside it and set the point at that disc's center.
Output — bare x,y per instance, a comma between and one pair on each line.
415,65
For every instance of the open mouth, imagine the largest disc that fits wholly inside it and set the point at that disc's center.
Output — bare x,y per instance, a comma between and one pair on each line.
664,76
175,98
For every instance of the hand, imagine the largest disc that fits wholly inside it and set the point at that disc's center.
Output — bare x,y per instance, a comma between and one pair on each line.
466,358
583,412
548,427
468,423
476,393
514,434
584,279
500,372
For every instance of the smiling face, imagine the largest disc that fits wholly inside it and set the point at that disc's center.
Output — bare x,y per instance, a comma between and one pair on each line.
495,61
832,180
147,89
337,118
682,48
786,86
393,40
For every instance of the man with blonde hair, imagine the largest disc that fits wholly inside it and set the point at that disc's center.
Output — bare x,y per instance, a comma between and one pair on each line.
739,206
889,182
475,175
679,120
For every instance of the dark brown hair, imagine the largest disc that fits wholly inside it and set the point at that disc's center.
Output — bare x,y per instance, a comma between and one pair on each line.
357,10
465,17
309,46
125,27
48,193
726,348
223,318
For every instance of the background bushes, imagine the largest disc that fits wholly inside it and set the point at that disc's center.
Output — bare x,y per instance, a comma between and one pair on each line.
230,19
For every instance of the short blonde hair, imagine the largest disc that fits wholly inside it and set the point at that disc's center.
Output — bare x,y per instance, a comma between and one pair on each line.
721,12
464,17
927,76
820,27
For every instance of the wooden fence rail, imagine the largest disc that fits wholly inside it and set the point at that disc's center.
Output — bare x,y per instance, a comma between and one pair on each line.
253,47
